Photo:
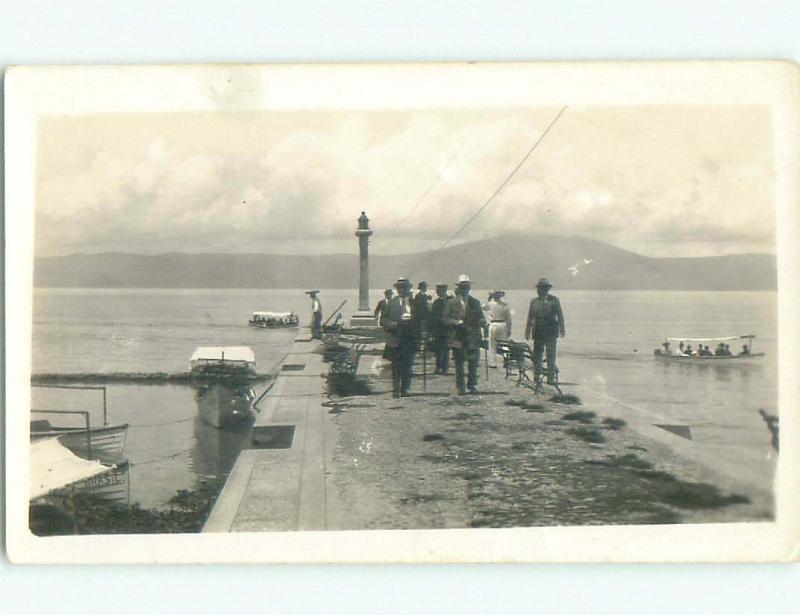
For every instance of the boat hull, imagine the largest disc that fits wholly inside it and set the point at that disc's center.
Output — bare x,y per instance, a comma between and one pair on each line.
107,443
265,325
713,360
225,407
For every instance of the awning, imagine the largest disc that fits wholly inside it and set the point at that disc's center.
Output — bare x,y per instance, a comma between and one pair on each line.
709,339
275,315
54,466
241,354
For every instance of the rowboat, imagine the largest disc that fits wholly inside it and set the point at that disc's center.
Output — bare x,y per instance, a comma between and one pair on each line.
671,352
106,443
273,320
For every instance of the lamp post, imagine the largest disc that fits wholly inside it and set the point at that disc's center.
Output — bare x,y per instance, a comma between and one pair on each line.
364,316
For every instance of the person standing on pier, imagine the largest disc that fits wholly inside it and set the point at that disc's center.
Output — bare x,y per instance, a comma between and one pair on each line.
545,325
422,315
400,327
499,316
387,297
438,330
467,323
316,314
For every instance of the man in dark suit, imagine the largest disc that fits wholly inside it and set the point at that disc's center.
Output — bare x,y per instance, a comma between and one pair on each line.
422,312
545,325
438,329
400,327
387,296
467,323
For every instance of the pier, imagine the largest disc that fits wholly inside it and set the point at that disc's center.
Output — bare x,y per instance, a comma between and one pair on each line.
279,484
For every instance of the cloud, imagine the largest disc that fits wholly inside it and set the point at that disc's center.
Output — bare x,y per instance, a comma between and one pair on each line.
638,178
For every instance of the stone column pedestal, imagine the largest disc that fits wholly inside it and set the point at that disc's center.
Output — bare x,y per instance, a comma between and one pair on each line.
363,317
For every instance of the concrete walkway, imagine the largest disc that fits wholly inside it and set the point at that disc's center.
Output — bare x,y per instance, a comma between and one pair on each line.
279,484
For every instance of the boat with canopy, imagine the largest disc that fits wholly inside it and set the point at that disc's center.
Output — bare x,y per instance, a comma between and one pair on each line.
675,349
274,320
222,361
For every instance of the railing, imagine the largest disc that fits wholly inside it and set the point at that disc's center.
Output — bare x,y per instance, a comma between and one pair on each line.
85,415
82,387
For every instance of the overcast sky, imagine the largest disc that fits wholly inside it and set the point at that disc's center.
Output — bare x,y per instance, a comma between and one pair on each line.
656,180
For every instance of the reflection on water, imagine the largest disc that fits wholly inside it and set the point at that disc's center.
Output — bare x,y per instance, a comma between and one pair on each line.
169,445
221,428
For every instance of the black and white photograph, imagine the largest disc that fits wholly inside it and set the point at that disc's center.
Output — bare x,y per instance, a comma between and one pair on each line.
309,313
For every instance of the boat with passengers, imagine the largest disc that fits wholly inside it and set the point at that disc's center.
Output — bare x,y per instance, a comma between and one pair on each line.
693,350
273,320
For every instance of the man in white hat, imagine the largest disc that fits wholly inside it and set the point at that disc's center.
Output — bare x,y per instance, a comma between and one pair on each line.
400,327
464,315
545,325
316,314
499,315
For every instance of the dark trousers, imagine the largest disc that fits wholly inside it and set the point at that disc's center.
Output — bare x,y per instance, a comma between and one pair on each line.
471,357
542,344
316,325
442,355
402,367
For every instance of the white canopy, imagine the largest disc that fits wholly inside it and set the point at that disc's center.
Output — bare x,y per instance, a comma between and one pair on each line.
275,315
708,339
54,466
238,354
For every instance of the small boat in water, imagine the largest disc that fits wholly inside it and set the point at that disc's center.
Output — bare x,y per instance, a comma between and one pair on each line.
679,350
224,400
224,406
274,320
106,443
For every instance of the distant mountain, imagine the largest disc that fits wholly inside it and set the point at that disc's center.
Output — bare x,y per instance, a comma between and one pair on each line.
505,262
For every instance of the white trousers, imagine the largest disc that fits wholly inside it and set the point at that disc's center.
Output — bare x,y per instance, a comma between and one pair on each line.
497,331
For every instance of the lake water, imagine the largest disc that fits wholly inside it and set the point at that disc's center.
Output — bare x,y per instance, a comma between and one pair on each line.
607,352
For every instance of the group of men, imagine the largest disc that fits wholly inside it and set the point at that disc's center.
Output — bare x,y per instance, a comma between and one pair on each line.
458,322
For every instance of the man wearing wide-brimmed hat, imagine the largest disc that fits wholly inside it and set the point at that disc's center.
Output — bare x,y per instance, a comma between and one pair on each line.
499,315
467,323
438,329
400,327
316,314
545,325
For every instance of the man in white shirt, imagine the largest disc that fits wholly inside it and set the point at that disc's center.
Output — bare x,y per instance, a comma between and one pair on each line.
499,316
316,314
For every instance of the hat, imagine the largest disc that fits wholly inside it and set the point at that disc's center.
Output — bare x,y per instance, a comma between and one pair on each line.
312,292
421,283
441,285
498,293
388,290
402,282
463,279
544,282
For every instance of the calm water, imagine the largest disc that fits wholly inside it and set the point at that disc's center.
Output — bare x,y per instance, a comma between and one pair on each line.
607,351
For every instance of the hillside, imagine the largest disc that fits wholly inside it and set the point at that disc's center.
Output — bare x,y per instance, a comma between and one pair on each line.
507,262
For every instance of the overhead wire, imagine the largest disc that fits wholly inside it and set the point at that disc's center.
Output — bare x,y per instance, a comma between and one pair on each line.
505,182
443,168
